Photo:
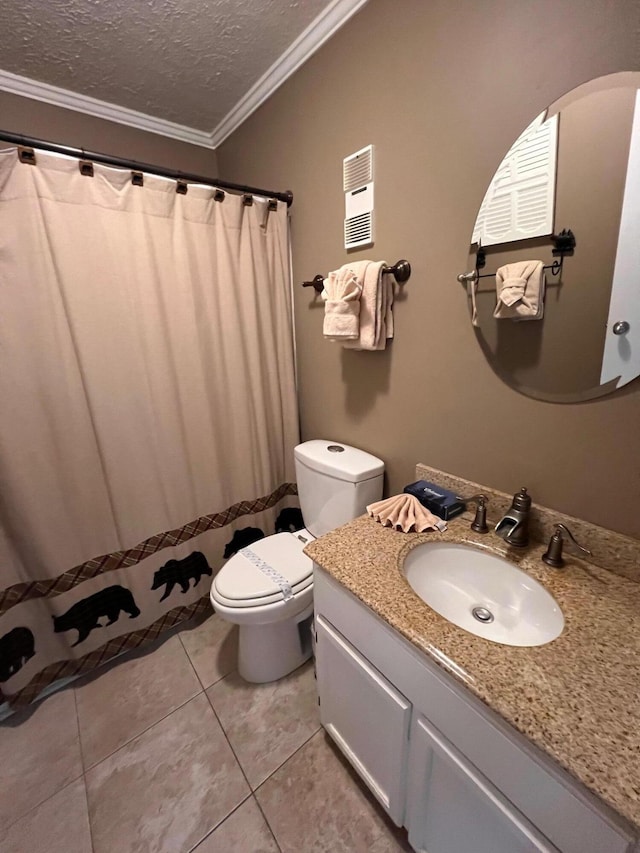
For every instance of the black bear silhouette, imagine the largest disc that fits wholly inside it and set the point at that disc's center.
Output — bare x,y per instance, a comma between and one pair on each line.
289,520
16,648
181,571
242,538
84,615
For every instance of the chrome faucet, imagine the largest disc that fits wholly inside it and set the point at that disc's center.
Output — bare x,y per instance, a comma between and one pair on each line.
514,527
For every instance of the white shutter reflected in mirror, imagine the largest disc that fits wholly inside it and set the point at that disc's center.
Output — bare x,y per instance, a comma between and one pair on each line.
621,356
519,203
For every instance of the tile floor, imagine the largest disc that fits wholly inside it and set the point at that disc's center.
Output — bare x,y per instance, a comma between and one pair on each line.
169,751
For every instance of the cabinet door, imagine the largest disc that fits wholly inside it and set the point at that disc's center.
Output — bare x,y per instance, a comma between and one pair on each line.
365,715
452,808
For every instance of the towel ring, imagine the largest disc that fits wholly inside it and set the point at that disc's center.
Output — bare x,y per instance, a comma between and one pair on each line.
401,271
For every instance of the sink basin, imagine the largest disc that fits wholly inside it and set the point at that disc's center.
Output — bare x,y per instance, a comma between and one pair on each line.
483,594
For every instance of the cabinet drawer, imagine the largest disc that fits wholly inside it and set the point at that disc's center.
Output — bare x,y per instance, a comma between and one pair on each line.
365,715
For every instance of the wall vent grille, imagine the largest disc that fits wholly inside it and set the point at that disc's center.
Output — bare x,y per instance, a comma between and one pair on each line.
357,181
357,169
358,230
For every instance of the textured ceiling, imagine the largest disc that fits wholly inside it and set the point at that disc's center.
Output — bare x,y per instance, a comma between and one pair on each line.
186,61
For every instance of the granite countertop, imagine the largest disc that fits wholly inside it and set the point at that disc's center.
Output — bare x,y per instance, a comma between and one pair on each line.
576,698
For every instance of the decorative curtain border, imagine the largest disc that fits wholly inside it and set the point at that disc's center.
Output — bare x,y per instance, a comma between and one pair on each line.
20,592
111,649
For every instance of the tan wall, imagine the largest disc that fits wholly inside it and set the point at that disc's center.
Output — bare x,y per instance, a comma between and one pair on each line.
67,127
442,89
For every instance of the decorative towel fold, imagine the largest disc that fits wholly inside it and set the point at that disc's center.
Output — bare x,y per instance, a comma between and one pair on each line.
520,291
376,303
341,294
405,512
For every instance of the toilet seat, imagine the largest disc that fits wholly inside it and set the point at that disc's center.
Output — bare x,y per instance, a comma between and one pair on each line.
240,583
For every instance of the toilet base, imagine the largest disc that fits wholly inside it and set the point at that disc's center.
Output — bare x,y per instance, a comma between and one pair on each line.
269,652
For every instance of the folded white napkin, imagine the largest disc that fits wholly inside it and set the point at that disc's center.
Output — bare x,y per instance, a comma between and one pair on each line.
341,293
520,289
405,512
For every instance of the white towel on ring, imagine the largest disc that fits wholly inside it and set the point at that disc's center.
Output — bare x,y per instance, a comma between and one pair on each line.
376,305
341,294
520,289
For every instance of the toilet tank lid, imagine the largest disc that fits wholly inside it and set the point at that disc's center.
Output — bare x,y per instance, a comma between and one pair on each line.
338,460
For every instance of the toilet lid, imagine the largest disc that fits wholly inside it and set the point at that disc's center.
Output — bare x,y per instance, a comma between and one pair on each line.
241,580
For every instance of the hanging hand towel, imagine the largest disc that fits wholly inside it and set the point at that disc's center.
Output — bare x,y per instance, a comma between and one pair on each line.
520,291
341,294
376,305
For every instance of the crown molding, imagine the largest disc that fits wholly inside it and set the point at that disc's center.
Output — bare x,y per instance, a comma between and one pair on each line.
27,88
308,42
329,21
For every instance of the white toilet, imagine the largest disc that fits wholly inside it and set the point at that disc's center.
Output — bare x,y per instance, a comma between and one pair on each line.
267,588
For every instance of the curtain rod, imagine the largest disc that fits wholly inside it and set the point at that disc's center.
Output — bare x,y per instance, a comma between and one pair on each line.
134,165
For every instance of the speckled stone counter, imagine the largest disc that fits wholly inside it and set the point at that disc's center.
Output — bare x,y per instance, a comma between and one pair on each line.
576,698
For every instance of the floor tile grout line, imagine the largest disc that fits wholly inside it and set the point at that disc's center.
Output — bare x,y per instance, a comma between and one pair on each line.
84,778
205,688
226,737
143,731
288,758
266,820
264,815
280,766
66,785
42,802
220,822
284,761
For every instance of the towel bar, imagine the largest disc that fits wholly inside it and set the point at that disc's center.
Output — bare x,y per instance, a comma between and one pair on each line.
401,270
563,244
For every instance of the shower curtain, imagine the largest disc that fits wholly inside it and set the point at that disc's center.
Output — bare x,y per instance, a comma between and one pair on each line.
148,406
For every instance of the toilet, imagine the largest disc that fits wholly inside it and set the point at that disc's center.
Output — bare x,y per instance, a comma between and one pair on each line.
267,588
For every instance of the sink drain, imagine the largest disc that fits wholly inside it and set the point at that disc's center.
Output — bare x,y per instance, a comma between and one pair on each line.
482,614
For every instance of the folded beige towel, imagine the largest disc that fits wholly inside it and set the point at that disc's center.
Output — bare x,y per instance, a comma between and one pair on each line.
376,302
341,294
520,291
405,512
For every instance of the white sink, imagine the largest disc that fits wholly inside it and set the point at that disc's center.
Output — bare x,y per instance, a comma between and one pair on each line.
458,581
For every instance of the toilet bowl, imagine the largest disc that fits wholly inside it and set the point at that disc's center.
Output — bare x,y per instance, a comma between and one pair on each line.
274,614
267,588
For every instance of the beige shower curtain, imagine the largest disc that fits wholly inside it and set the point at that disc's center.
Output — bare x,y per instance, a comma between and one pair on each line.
148,405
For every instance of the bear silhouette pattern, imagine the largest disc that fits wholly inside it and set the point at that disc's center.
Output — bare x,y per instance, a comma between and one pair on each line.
181,572
16,648
84,616
242,538
289,520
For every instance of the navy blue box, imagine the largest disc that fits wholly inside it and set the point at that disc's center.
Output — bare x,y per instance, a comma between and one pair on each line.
439,501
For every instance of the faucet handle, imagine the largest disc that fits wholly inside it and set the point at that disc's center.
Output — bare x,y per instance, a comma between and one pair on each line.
553,555
479,523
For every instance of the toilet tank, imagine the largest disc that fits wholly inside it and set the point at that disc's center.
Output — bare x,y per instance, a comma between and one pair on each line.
335,483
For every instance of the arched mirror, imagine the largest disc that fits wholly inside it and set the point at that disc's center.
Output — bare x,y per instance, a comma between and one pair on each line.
576,167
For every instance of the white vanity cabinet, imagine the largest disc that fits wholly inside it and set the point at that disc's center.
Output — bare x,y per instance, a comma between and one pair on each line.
442,764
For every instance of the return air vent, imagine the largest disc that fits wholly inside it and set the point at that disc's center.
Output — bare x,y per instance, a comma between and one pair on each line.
357,177
358,230
357,169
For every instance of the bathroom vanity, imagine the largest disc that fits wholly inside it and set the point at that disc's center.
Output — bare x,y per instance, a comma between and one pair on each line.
477,747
